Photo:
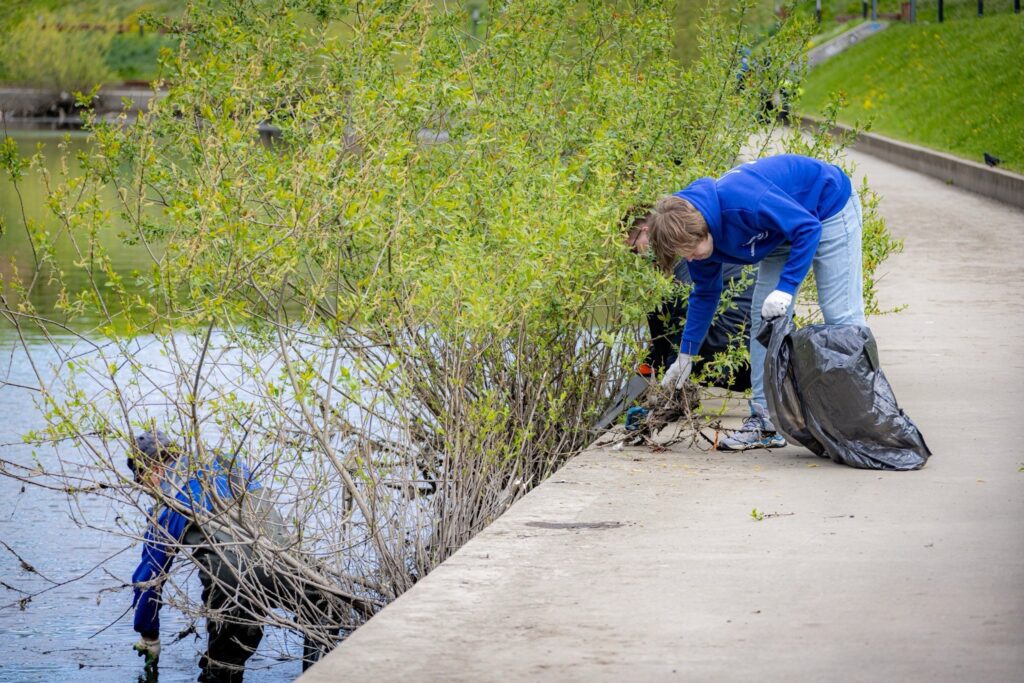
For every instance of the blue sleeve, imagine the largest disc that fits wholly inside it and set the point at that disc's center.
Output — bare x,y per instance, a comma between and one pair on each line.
703,302
778,212
156,560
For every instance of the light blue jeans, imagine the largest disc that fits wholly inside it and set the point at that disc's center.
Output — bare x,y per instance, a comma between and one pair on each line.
838,272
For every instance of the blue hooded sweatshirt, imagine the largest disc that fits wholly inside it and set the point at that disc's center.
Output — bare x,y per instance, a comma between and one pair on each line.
191,487
751,210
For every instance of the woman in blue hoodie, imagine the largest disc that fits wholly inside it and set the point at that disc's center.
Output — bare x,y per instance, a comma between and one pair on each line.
785,213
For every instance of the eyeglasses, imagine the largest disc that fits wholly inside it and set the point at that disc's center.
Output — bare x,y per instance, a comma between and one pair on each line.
633,236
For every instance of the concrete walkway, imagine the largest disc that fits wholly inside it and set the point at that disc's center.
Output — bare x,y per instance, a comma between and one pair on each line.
641,566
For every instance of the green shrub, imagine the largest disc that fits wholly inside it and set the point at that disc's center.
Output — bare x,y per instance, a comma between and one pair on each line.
954,86
37,53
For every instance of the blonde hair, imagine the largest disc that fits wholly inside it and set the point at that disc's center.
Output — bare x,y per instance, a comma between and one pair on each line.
674,228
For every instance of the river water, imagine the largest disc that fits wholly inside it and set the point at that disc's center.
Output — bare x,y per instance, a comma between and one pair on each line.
82,630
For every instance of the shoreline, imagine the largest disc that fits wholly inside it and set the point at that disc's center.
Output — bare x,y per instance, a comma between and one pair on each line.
27,104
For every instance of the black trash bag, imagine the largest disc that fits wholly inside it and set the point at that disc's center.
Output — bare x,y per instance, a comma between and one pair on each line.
826,391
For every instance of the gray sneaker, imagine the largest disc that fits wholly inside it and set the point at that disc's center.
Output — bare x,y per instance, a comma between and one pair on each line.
757,432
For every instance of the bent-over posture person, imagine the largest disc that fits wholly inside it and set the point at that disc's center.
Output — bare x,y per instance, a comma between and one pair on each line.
198,507
785,213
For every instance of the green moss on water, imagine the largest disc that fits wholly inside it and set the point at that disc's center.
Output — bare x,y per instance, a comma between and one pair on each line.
957,87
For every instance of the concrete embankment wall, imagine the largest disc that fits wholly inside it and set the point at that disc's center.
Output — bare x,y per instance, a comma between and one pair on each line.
994,183
29,103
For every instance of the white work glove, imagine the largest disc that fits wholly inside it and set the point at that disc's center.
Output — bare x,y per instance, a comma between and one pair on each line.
676,375
776,304
150,649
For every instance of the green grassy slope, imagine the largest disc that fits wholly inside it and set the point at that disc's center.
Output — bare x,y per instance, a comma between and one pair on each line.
956,86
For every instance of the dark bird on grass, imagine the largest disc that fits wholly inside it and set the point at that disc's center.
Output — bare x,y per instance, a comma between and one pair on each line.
991,160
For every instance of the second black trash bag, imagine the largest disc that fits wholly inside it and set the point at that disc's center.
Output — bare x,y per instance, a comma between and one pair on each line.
826,391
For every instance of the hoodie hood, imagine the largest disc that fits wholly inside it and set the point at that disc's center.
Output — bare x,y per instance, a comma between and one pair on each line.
703,194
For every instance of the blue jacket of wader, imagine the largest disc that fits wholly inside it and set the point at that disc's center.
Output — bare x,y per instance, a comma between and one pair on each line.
191,486
751,210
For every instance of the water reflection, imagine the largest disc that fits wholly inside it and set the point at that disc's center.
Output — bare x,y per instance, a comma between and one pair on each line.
23,207
81,629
